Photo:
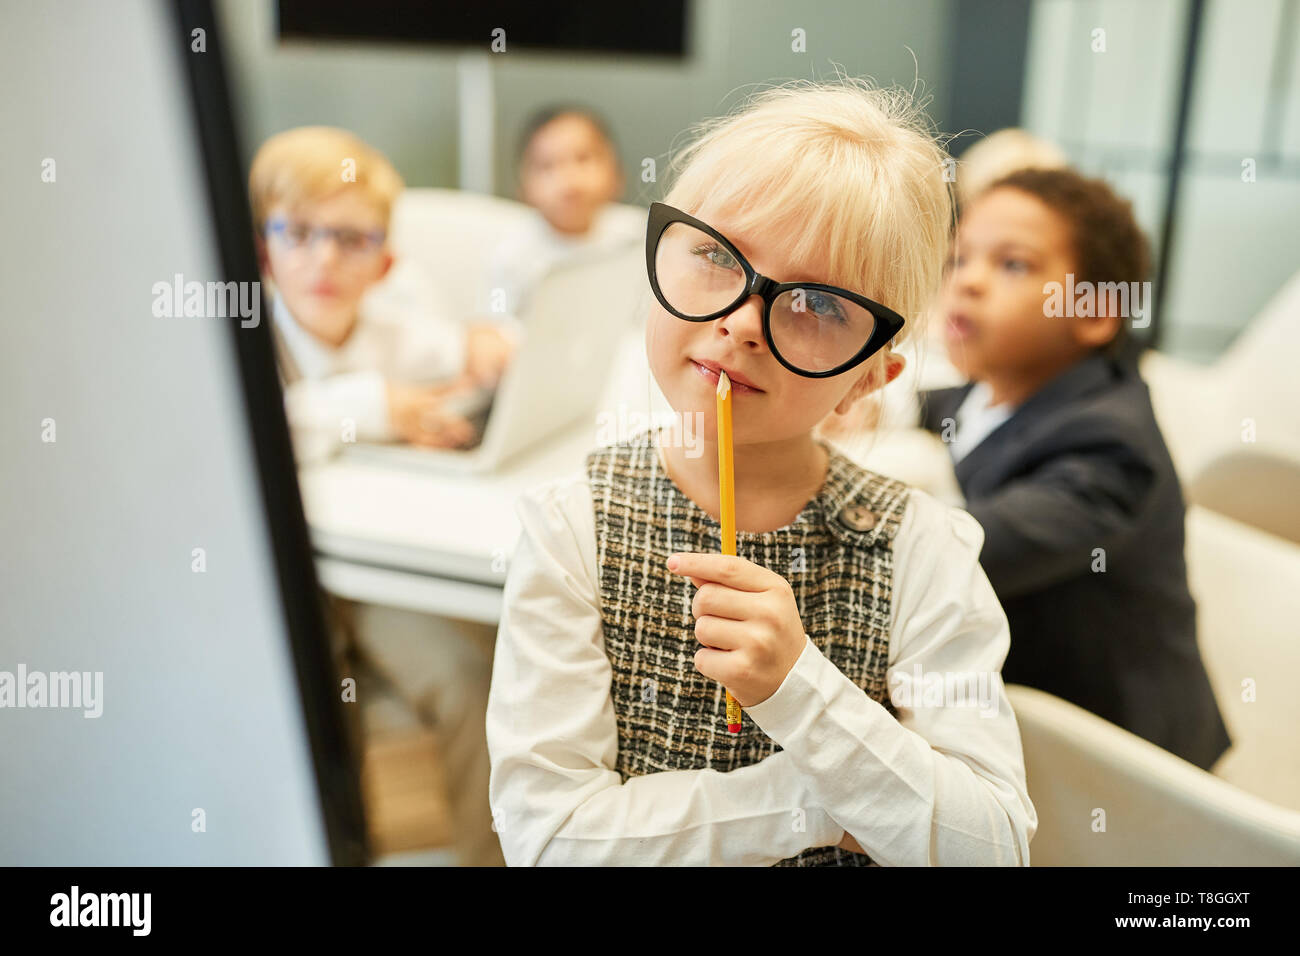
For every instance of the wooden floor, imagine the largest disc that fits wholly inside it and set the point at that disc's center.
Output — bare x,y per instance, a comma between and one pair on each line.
403,784
406,802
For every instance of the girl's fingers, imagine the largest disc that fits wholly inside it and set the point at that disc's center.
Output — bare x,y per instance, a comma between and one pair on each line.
719,633
719,601
728,569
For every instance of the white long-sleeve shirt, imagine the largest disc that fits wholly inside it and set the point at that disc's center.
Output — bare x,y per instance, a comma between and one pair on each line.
939,785
976,418
402,334
525,254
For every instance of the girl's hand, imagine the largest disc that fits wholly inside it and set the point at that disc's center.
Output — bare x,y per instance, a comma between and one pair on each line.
747,620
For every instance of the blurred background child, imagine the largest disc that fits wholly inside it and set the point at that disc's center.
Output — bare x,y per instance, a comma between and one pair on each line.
569,173
928,367
356,367
1000,154
1061,461
360,363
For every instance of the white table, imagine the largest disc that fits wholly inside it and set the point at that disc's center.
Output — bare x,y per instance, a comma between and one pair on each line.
437,543
424,541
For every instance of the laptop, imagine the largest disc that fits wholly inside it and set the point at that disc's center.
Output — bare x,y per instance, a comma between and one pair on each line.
573,324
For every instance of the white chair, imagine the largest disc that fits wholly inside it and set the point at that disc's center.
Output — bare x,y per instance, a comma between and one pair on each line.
1158,810
1260,488
1247,588
452,235
1247,399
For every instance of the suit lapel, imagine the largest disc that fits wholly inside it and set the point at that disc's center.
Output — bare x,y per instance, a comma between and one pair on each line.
1001,452
941,403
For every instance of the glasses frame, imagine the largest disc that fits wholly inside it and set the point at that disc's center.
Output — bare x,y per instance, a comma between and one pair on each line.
888,322
278,227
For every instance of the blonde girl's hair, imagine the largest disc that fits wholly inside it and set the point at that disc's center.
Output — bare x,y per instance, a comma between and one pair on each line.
850,171
311,163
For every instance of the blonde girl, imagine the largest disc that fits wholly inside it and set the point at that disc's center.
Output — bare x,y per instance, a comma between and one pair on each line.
801,237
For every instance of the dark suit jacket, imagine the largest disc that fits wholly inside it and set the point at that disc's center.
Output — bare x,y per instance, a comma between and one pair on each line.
1080,466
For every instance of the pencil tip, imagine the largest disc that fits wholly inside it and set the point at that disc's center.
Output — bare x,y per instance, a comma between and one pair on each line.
724,383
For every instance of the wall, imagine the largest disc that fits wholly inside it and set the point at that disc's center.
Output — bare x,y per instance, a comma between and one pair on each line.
1114,113
404,99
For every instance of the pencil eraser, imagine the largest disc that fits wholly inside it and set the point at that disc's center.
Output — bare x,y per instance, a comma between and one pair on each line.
733,728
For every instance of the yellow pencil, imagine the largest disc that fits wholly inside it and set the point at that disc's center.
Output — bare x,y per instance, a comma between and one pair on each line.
727,504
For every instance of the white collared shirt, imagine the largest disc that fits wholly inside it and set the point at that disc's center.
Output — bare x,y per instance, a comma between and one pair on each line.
532,249
939,785
401,334
975,419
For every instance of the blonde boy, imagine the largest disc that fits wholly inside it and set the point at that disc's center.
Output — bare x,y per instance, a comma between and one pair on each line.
355,360
356,368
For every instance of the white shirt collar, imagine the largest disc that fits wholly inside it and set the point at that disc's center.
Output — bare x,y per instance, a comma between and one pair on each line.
976,419
313,357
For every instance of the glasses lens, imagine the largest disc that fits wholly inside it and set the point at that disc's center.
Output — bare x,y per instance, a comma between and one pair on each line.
350,241
697,274
817,331
294,233
353,242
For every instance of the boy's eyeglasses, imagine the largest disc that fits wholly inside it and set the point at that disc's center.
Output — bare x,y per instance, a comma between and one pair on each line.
356,243
814,330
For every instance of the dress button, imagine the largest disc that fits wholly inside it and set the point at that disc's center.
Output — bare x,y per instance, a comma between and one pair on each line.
858,518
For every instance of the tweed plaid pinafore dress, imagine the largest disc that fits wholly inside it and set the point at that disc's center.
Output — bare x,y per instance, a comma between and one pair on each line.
837,555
